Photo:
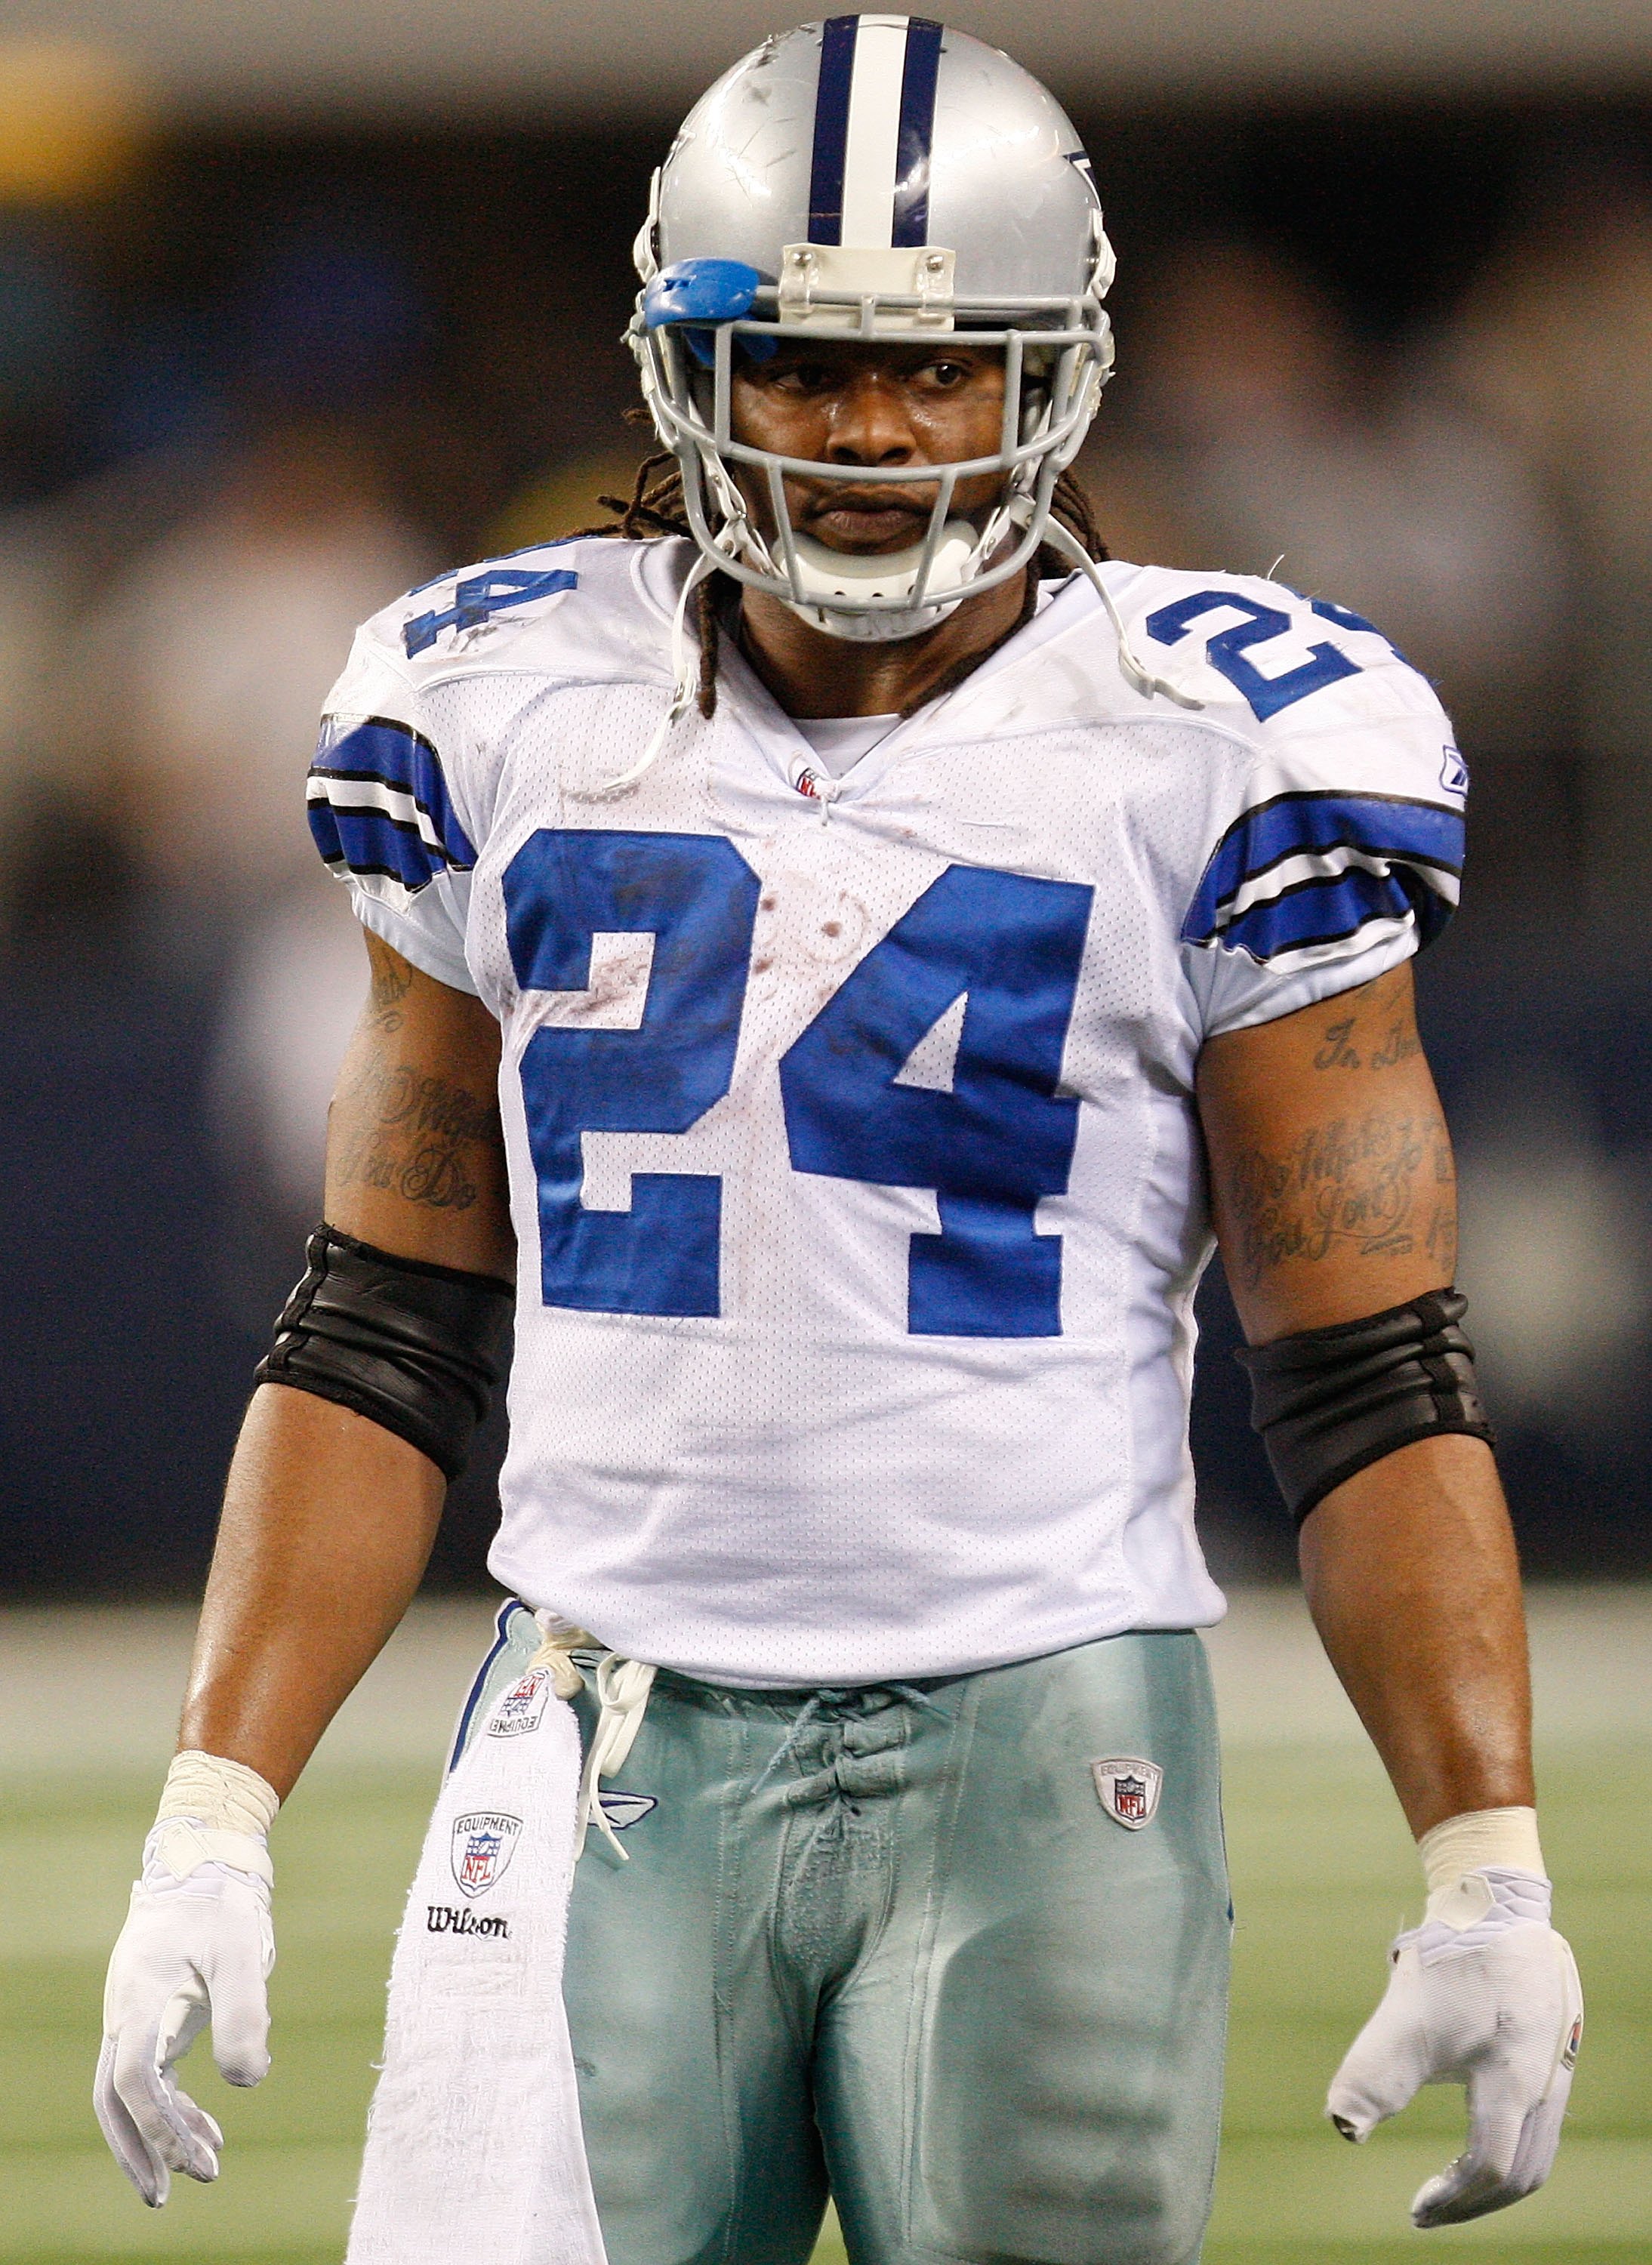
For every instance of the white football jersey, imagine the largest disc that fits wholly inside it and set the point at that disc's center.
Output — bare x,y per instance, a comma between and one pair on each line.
853,1153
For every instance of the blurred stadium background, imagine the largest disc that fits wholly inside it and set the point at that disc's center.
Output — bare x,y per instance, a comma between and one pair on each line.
301,304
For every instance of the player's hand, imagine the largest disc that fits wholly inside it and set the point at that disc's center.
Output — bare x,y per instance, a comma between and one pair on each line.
1484,1993
197,1947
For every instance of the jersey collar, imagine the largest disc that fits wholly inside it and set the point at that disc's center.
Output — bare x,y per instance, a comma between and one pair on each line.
781,748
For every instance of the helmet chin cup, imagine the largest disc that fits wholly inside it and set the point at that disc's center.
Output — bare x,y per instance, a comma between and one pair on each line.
830,578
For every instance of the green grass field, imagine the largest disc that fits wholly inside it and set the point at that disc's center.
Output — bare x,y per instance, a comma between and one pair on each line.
1321,1869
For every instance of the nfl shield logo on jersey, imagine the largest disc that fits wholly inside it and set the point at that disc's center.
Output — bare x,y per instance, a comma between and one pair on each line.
1129,1788
483,1846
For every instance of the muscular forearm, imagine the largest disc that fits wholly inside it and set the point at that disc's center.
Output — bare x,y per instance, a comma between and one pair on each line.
1412,1580
1334,1192
327,1522
329,1517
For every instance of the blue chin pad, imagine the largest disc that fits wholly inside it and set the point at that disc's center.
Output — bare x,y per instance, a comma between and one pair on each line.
692,293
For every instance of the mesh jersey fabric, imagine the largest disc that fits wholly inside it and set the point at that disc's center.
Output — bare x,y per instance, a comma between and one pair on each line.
842,741
902,1421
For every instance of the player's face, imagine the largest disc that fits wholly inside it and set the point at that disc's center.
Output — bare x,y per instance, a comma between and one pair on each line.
935,403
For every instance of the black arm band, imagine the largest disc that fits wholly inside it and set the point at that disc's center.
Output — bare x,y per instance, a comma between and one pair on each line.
1328,1401
413,1347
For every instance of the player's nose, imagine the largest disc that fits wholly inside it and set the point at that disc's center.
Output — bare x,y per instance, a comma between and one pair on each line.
871,424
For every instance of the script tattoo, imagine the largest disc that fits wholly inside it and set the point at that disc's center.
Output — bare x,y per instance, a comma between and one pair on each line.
1378,1184
1441,1241
1336,1053
416,1136
1385,1037
392,980
1400,1044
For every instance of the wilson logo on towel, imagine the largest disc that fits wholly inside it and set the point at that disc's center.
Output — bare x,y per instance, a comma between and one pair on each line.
447,1919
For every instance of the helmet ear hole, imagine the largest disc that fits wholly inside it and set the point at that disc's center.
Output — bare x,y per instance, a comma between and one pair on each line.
1038,365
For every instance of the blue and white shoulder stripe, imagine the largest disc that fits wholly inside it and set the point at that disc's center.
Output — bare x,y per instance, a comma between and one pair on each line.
1321,872
380,809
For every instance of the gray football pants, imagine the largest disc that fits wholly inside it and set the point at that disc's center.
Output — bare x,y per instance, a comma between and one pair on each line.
889,1943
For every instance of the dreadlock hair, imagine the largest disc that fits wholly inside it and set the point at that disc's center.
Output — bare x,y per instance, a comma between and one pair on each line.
655,507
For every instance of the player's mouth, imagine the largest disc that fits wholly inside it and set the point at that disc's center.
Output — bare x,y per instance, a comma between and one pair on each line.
866,520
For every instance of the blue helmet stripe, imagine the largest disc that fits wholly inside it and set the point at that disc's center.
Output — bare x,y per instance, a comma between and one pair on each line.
832,128
917,131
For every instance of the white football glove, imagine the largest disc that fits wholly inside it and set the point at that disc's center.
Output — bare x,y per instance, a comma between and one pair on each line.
198,1945
1484,1993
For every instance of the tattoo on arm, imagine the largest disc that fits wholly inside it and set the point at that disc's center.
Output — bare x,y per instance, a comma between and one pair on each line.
1400,1044
1336,1053
1380,1185
1379,1036
392,980
416,1136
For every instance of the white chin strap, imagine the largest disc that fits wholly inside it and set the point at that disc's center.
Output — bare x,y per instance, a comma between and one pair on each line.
828,576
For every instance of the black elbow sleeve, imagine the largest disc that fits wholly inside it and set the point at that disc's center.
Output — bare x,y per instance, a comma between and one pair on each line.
1328,1401
411,1346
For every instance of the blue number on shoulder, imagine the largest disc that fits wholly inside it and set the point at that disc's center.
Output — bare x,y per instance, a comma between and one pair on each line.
1346,618
490,591
697,897
1002,1138
1225,652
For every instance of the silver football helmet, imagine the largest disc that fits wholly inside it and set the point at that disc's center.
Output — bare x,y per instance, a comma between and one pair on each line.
875,178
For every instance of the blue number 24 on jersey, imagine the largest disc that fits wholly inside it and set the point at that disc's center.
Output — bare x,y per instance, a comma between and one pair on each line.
1000,1139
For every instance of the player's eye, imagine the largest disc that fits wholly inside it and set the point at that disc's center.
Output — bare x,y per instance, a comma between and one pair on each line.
807,377
948,375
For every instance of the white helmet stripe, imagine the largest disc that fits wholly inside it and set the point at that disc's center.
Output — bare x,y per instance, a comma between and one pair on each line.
874,133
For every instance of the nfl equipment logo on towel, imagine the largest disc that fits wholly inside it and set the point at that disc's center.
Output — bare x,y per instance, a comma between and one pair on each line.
522,1708
1129,1789
483,1846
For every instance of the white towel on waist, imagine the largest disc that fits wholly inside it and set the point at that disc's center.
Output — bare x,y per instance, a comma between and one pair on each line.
474,2144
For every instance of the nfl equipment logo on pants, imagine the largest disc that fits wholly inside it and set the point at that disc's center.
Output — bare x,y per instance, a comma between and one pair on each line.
1129,1788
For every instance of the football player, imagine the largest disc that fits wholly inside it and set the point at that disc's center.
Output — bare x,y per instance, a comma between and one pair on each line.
847,949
